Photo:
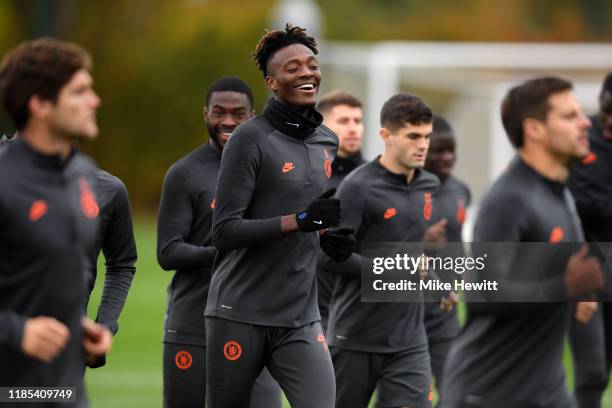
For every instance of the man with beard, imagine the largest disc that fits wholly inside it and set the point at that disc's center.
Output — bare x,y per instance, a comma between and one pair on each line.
591,185
271,209
342,113
185,245
48,218
451,201
510,354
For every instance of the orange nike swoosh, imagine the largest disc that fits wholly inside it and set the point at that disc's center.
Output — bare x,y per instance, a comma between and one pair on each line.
287,167
391,212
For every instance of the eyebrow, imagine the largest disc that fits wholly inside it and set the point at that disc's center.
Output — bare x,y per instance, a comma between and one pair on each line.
297,60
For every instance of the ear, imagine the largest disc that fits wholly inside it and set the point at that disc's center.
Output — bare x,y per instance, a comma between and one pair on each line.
205,114
253,113
532,129
385,135
39,108
271,84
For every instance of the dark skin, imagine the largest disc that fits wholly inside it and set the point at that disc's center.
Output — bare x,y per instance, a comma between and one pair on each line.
605,114
291,71
294,76
442,155
225,111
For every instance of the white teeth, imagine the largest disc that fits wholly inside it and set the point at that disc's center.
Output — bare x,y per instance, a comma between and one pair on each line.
307,86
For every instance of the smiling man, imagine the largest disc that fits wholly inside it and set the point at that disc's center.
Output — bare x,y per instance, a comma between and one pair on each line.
184,244
48,218
271,207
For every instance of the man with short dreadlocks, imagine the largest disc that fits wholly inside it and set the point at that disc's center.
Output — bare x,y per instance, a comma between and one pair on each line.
273,210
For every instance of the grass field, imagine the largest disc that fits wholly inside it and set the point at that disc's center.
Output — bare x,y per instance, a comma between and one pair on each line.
132,375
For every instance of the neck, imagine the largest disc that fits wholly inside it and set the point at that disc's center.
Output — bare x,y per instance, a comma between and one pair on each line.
395,167
545,163
44,141
300,109
212,143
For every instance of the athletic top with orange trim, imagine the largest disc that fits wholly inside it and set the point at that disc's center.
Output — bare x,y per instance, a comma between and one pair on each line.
48,222
184,241
273,165
591,185
382,207
510,354
115,239
341,167
451,202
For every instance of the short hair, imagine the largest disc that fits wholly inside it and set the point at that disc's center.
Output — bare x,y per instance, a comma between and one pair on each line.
605,96
230,84
441,125
334,98
273,41
529,100
38,67
403,108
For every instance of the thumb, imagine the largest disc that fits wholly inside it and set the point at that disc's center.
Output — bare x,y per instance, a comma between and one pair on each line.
328,193
583,251
442,223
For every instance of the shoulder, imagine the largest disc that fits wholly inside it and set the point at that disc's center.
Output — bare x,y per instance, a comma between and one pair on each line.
427,180
360,178
110,184
327,132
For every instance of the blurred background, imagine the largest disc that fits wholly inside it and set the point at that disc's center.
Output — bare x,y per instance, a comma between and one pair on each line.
153,61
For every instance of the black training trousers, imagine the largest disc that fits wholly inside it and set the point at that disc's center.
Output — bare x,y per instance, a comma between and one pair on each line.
297,358
185,380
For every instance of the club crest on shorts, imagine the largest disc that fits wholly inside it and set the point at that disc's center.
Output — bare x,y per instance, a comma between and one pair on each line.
183,360
232,350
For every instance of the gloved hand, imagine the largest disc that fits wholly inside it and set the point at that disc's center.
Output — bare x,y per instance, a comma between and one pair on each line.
323,212
339,243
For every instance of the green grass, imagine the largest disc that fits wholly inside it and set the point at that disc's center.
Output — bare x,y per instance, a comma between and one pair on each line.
132,376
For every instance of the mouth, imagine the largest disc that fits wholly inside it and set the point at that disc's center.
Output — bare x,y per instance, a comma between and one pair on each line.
308,87
224,134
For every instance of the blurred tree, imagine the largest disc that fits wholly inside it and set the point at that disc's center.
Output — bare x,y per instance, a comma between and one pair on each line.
155,59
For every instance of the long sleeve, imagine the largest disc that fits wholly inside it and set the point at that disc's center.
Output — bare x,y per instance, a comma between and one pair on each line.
500,223
11,331
119,248
174,223
237,180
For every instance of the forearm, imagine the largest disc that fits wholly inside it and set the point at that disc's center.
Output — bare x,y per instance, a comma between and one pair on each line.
117,283
182,255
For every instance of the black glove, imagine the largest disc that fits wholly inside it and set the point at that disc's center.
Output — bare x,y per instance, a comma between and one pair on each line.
339,243
323,212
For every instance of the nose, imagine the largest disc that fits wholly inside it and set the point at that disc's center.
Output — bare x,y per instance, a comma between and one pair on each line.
306,72
586,122
228,120
95,99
